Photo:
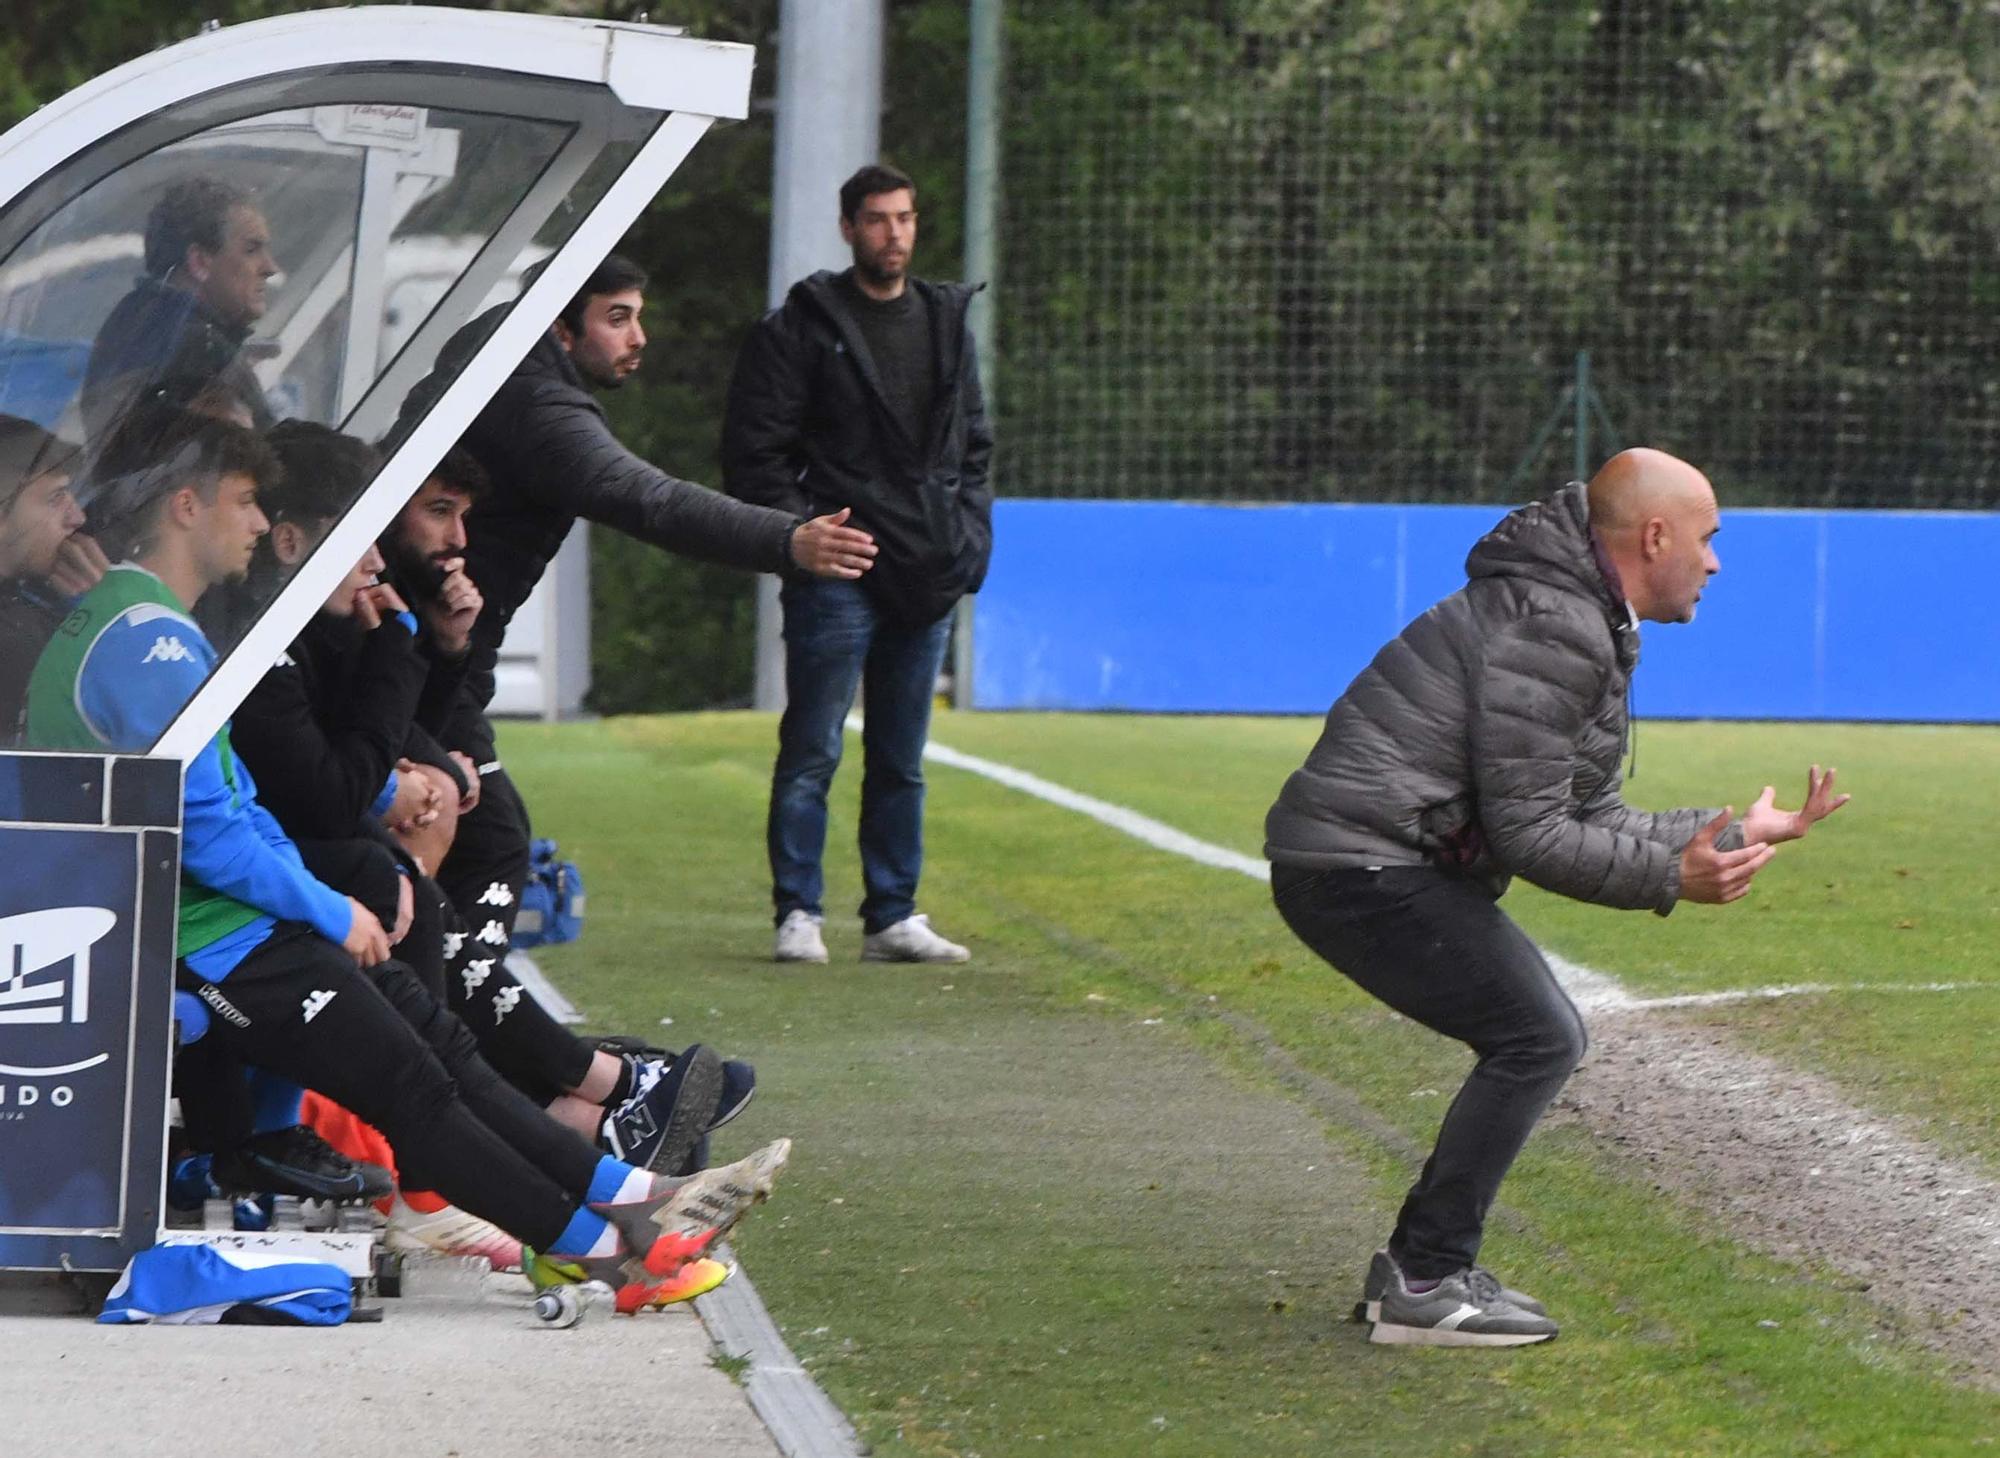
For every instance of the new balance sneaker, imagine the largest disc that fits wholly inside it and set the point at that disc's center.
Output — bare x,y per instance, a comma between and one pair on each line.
1382,1269
697,1278
630,1045
1462,1310
667,1112
296,1161
445,1229
798,939
739,1083
911,940
684,1217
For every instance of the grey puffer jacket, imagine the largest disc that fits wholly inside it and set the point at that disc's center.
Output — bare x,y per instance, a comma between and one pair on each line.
1487,736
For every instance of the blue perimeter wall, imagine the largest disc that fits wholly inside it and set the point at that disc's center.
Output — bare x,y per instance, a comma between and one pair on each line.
1173,607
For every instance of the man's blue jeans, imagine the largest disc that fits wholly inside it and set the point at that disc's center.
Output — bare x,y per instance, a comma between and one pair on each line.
835,641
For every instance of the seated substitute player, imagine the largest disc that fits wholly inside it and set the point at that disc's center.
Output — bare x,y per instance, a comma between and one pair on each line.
424,548
324,732
40,524
1482,744
273,952
186,323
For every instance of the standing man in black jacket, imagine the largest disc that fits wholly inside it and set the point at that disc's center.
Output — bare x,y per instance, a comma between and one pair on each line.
550,458
861,394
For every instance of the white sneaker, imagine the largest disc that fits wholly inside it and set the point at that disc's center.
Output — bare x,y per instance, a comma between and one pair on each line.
799,939
450,1231
911,940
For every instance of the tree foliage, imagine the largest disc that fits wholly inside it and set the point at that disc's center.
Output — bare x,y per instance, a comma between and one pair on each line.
1349,249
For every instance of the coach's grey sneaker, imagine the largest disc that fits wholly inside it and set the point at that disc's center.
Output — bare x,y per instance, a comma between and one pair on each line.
911,940
1382,1268
799,939
1462,1310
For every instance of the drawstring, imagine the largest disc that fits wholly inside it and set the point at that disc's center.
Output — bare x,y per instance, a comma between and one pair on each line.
1631,735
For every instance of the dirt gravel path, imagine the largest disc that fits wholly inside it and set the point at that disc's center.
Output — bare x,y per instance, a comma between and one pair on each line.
1792,1167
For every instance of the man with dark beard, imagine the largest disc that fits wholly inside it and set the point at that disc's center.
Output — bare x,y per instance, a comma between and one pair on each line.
861,394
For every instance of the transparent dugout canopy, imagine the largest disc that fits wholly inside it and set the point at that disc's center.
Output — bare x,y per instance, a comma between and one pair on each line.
289,220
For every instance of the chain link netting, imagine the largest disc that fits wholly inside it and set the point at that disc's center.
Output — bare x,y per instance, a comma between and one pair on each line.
1325,251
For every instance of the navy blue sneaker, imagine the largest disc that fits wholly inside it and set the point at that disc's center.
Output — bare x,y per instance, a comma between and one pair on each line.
667,1112
739,1085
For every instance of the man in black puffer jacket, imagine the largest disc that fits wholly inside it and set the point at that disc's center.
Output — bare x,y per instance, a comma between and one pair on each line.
1481,744
862,393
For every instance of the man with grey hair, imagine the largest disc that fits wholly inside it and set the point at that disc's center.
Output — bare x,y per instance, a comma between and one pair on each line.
1481,744
182,332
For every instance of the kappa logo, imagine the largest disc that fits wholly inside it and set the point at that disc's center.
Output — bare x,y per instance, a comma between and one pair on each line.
315,1002
495,895
55,941
454,942
167,650
476,973
505,1001
493,934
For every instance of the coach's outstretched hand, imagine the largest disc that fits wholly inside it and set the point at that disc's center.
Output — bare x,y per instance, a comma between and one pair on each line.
1766,824
1712,875
827,546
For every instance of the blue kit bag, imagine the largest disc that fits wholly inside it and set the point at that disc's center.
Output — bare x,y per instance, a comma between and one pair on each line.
551,902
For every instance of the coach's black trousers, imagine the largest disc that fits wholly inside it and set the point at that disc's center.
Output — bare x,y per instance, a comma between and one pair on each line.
1437,948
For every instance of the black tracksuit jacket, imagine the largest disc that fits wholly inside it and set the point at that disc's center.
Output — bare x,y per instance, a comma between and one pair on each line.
547,446
809,431
321,732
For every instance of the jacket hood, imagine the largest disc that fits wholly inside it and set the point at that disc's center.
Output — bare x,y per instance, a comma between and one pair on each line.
817,289
544,357
1549,542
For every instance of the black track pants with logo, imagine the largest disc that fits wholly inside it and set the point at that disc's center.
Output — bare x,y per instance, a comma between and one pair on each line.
516,1035
299,1007
488,862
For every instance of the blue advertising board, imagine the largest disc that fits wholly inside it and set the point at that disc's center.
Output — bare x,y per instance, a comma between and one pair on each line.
86,987
1179,607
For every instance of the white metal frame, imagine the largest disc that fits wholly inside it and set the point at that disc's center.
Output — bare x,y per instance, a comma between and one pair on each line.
694,82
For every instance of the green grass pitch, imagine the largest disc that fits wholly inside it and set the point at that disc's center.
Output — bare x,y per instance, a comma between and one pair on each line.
1109,1189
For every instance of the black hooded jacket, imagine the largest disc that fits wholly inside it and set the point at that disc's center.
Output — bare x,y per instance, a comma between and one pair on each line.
322,730
547,446
809,431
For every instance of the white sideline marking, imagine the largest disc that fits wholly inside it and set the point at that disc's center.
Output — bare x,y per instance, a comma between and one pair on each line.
1589,989
541,989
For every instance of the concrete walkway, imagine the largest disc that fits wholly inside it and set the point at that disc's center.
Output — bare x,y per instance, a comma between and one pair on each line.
478,1378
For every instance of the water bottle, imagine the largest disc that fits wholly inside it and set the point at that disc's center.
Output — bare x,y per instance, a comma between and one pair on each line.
254,1212
455,1278
560,1307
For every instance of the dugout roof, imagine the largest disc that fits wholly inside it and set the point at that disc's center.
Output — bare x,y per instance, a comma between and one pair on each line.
410,163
